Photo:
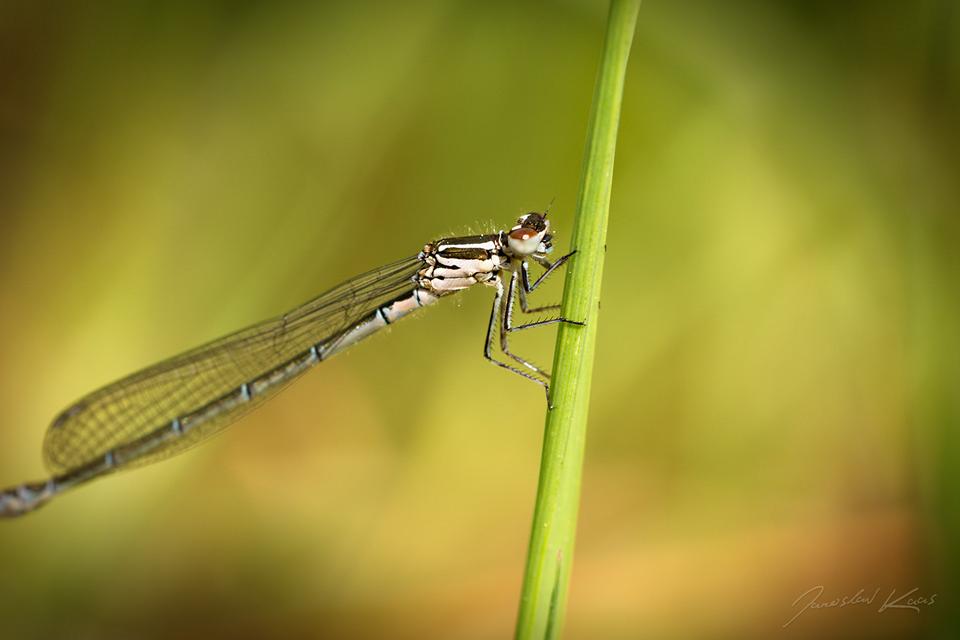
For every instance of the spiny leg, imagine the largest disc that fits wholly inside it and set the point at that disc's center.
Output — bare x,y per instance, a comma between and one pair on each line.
526,287
507,327
488,344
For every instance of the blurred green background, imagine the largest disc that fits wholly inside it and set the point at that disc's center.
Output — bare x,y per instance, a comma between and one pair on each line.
775,402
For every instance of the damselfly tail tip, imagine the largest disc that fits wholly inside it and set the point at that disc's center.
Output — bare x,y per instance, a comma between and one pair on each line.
24,498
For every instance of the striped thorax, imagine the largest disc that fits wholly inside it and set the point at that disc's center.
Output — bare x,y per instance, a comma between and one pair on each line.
454,264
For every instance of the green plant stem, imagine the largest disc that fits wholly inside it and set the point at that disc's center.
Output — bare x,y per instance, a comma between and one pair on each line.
550,555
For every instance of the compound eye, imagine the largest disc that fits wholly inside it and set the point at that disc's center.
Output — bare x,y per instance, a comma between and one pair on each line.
523,233
524,241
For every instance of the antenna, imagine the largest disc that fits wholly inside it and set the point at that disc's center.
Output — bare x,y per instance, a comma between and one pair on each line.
550,204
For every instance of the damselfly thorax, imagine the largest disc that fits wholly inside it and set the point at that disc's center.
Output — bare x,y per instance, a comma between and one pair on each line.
175,404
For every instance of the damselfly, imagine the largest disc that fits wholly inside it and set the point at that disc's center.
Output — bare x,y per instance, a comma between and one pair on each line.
175,404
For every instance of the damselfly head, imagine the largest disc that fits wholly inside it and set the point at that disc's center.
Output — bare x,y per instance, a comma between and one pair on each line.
530,235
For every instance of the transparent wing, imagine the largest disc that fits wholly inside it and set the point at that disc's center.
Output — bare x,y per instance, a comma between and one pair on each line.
135,406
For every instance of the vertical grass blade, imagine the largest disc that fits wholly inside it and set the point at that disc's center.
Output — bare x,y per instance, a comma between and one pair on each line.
549,558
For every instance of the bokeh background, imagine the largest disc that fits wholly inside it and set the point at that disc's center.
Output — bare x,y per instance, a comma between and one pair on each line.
775,404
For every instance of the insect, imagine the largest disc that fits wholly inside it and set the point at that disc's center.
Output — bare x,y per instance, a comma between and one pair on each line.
175,404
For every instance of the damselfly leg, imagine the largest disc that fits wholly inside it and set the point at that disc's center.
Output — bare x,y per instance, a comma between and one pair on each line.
504,313
495,312
526,287
507,327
